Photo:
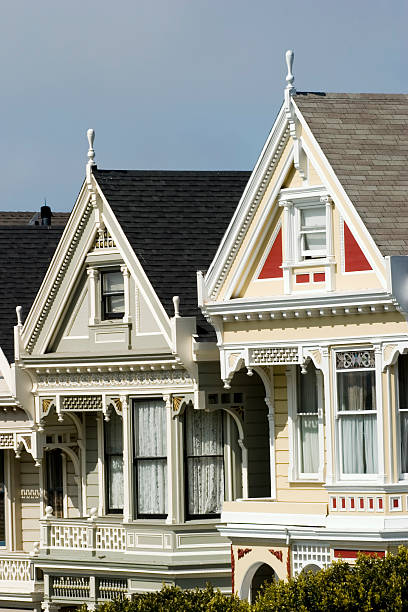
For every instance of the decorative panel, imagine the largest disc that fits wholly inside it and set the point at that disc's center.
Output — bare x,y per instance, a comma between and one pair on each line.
354,258
309,554
82,402
71,587
274,355
355,360
6,440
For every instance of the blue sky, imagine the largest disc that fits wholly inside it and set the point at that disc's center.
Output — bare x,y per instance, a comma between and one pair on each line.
172,84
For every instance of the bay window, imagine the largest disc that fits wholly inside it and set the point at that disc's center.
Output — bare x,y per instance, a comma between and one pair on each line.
114,464
357,412
204,462
150,457
307,421
403,411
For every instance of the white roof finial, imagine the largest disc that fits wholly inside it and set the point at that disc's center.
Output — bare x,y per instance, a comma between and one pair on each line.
91,153
289,77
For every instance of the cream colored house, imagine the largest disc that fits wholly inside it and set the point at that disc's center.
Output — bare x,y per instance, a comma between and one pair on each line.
308,295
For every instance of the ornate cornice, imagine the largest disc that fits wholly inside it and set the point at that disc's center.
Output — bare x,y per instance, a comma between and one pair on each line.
113,379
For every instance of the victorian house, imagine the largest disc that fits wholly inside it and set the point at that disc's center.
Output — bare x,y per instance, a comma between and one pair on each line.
151,432
308,295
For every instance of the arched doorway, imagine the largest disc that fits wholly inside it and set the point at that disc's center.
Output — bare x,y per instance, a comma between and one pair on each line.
264,574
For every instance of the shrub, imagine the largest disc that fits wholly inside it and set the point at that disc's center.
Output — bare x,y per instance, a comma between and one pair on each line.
372,585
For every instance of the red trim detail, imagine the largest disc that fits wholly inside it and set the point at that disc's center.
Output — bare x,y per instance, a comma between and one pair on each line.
273,262
319,277
355,260
362,503
232,571
334,503
380,503
340,553
243,551
343,503
277,553
371,503
302,278
395,502
352,503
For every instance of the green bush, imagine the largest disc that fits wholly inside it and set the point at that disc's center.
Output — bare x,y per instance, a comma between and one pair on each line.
372,585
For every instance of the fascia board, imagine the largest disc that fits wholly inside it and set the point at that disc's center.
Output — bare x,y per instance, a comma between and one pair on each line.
53,268
339,186
244,305
135,267
260,231
254,183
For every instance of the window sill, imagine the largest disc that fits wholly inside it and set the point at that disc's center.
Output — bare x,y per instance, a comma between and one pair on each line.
307,480
309,263
120,323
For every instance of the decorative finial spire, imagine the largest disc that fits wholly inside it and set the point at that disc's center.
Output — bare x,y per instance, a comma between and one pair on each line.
176,304
18,313
289,77
91,153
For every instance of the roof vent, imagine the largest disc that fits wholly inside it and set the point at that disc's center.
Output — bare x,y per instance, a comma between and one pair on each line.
45,214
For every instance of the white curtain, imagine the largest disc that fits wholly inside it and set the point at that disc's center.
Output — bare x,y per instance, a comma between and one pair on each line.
309,451
151,456
359,437
114,459
205,462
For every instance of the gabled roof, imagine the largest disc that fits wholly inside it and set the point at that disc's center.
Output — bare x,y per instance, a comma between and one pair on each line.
25,254
174,221
365,139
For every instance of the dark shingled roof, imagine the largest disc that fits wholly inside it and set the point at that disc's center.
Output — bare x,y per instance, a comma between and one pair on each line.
365,139
174,221
25,254
59,219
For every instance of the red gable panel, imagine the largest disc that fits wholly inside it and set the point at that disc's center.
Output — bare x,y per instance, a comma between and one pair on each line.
272,266
355,260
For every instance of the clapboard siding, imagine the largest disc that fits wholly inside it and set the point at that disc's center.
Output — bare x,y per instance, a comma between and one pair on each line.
30,511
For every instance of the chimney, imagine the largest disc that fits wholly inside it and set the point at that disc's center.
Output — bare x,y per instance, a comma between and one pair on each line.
45,215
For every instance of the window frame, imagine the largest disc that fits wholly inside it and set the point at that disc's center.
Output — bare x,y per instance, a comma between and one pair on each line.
293,375
135,480
357,477
187,515
106,455
301,254
106,315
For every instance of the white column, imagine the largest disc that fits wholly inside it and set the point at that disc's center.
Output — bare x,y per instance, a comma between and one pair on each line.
329,410
127,461
126,291
287,245
380,411
320,419
172,471
93,275
330,277
290,372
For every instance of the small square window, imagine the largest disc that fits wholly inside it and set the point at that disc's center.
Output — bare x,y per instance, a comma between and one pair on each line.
113,295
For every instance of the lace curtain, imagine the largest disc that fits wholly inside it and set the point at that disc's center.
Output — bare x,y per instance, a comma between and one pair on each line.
356,393
151,456
114,462
308,421
205,462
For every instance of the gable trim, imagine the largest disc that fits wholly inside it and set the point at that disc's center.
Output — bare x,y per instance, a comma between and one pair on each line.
248,205
44,300
259,232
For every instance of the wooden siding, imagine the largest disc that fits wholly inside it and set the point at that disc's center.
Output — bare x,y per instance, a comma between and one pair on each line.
30,505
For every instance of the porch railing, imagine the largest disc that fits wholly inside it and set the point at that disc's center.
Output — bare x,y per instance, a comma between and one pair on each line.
16,568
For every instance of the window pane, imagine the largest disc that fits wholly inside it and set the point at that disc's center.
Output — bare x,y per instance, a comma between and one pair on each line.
313,218
359,441
152,486
404,442
314,242
307,390
205,485
150,428
309,444
115,303
403,381
112,282
113,435
115,482
204,432
356,390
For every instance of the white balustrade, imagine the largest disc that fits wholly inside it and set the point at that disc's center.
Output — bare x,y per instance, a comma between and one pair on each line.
81,535
15,570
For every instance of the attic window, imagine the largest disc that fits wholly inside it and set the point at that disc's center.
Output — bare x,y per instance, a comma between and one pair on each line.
312,231
113,295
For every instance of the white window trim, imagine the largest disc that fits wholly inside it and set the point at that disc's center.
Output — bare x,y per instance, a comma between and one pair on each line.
379,477
294,474
94,273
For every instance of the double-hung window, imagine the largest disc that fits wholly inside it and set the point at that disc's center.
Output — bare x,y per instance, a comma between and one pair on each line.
307,421
312,231
403,411
114,464
204,463
150,457
357,412
113,295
